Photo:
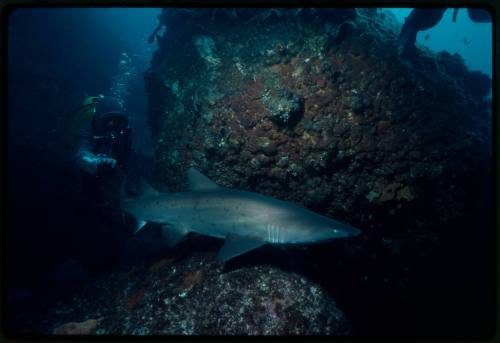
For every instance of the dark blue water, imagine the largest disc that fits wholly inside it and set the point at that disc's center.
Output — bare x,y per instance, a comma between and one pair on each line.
71,53
57,57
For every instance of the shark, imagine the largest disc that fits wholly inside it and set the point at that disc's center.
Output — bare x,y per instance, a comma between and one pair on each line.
246,220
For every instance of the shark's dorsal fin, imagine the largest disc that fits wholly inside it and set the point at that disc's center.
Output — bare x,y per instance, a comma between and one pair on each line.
199,182
147,189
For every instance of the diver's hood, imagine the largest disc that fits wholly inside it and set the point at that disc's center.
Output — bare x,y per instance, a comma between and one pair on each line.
107,104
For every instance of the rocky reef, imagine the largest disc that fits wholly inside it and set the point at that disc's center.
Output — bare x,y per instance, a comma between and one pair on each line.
314,106
194,296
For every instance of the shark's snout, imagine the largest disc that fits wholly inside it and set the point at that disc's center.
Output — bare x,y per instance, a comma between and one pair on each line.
346,231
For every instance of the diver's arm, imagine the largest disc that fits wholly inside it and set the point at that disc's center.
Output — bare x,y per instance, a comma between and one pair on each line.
87,161
90,162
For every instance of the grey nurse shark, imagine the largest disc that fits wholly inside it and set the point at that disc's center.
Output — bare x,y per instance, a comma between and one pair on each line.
246,220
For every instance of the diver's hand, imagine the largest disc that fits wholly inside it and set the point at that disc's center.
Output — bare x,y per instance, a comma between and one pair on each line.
106,162
92,163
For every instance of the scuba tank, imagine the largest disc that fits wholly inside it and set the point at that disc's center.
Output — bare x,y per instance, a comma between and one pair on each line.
79,119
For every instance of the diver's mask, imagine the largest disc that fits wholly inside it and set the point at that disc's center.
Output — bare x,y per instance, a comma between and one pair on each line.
111,125
109,121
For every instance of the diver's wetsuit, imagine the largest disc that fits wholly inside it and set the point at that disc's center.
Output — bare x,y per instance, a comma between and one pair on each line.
103,155
425,18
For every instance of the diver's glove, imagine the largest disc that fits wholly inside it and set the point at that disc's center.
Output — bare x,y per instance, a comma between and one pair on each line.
106,161
91,163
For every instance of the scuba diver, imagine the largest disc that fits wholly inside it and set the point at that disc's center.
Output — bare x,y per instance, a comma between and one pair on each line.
100,132
425,18
100,136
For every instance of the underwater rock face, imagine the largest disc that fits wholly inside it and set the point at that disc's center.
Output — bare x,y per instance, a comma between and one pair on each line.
315,107
194,296
285,109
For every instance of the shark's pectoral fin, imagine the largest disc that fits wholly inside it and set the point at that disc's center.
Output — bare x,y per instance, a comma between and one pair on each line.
173,234
139,225
236,245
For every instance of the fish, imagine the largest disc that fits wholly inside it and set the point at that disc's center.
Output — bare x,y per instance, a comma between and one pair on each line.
466,41
246,220
427,36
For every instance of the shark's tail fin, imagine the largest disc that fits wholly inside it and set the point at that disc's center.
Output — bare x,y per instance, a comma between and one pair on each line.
122,196
123,189
138,187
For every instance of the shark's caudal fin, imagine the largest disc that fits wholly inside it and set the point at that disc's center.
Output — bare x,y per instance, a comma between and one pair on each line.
146,191
123,192
236,245
122,196
199,182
